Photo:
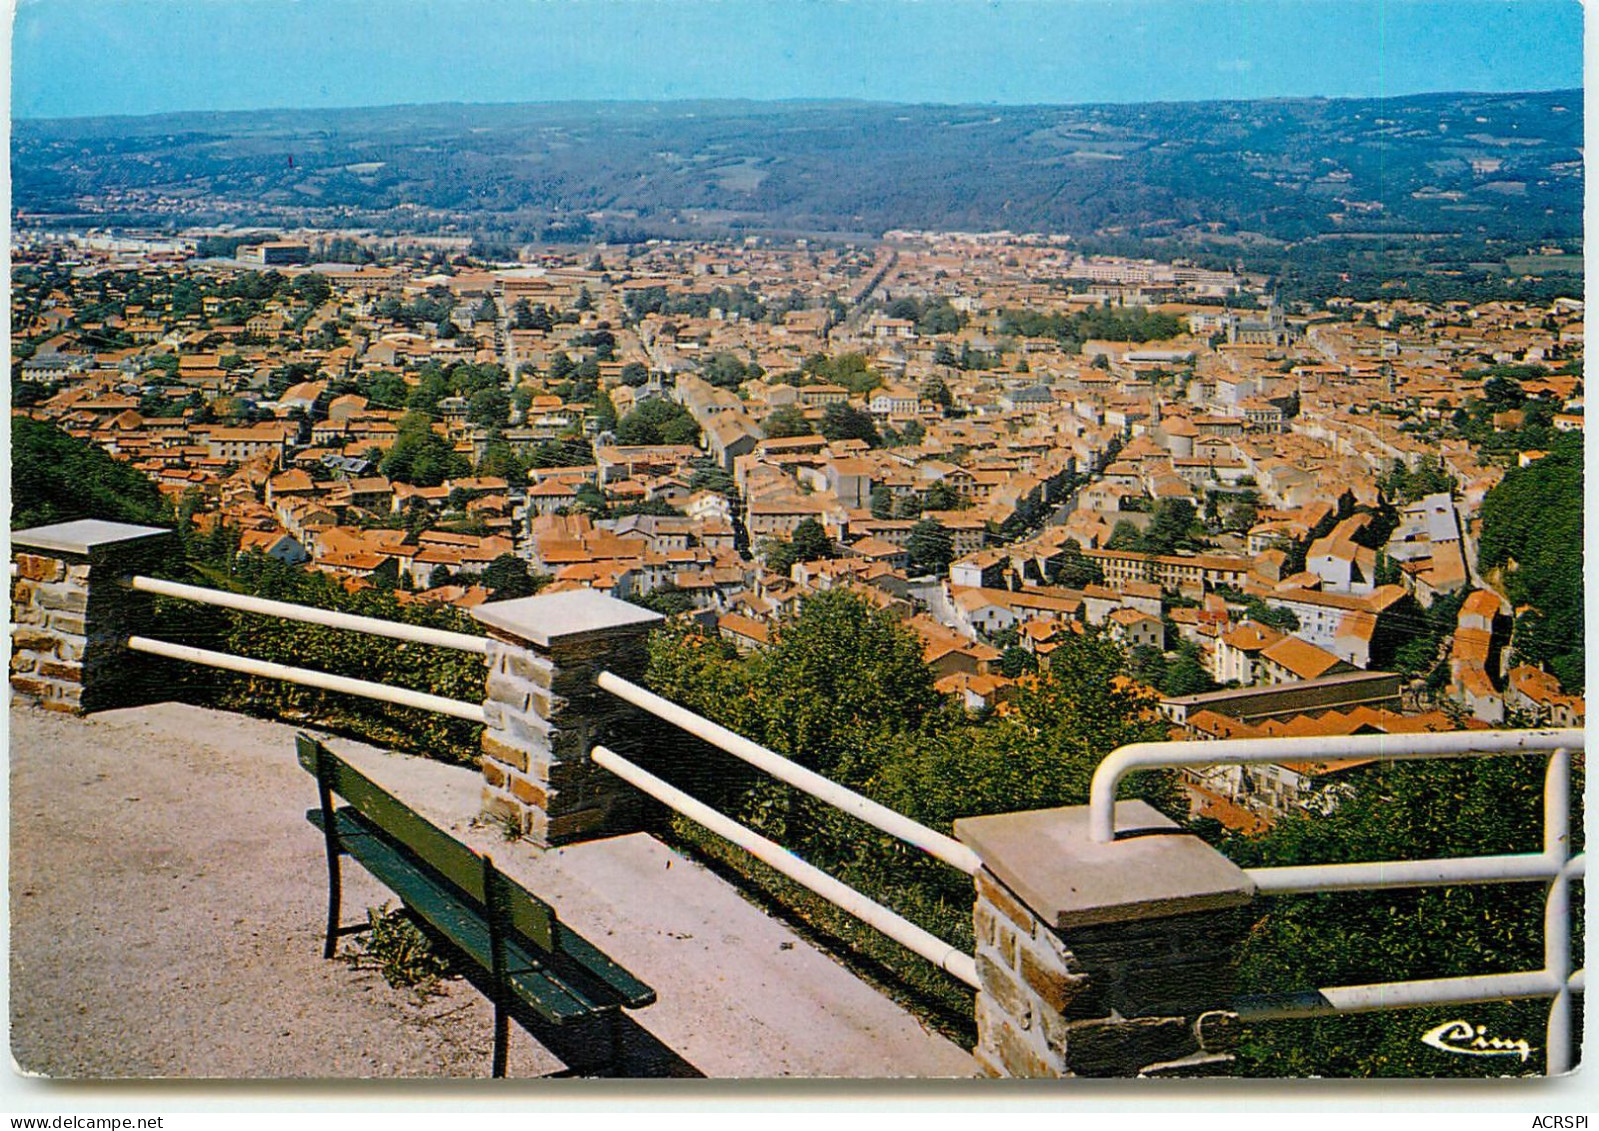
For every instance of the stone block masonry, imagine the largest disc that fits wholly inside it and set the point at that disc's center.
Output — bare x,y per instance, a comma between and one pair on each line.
1103,960
72,617
543,713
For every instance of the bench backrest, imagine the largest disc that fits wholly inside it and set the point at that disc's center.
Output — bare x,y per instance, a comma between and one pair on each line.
528,915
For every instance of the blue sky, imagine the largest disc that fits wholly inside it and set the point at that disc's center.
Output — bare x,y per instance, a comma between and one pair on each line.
84,57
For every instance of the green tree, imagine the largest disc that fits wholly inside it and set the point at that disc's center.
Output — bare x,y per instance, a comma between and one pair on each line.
657,421
562,368
851,370
726,371
668,600
1532,533
939,318
844,422
500,461
507,577
532,317
810,542
1125,536
709,477
491,407
58,478
1147,665
1240,516
840,684
787,421
940,496
441,671
387,390
591,500
1075,569
566,452
1170,527
1503,394
1016,661
1186,673
605,411
882,501
422,457
635,374
1043,752
779,555
931,547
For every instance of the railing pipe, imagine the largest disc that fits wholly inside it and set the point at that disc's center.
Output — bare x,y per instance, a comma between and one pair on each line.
1237,752
936,844
472,712
1401,995
372,626
1557,910
1375,876
841,895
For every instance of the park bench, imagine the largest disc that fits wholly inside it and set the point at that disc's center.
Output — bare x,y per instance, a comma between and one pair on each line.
534,966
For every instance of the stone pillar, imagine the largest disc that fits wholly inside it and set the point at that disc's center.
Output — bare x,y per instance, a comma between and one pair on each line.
1104,959
72,618
543,713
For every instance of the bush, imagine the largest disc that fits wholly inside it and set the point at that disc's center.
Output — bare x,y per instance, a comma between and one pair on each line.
396,948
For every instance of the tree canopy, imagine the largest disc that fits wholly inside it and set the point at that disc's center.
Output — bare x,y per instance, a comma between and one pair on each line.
786,422
851,370
931,547
58,478
420,456
1532,534
844,422
658,421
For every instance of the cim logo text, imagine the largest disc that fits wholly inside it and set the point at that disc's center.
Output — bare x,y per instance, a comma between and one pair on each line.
1465,1039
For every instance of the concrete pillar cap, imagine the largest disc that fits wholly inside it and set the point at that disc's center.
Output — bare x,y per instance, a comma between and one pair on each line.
564,618
1153,870
85,536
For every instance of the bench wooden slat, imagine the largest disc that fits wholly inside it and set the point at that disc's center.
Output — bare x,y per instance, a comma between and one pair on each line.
634,993
440,851
558,999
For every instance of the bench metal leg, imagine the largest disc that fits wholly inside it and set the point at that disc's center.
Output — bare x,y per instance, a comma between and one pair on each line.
330,839
494,899
502,1037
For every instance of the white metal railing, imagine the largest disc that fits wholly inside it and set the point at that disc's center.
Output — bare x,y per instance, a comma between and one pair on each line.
307,677
326,681
285,610
841,895
930,841
1554,866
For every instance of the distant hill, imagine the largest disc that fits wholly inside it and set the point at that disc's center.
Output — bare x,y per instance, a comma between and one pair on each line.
1492,166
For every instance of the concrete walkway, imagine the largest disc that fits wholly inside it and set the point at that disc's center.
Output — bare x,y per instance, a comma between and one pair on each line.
167,898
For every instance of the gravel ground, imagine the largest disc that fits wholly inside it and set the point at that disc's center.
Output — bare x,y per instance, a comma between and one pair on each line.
167,898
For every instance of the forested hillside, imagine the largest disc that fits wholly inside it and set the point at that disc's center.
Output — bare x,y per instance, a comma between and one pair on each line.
1492,166
1532,531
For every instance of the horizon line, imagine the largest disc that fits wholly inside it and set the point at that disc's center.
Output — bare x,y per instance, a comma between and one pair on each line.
809,101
